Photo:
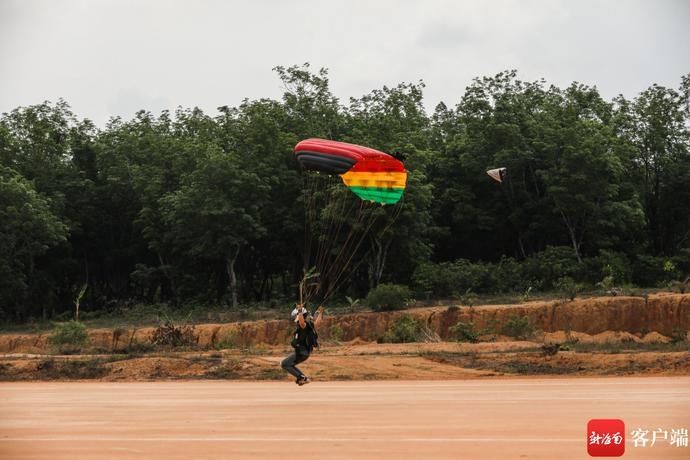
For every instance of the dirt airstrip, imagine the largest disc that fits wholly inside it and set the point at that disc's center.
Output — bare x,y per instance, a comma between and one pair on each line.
500,418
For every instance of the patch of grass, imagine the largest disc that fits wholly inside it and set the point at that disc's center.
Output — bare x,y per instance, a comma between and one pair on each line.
485,361
337,332
69,338
373,376
567,287
205,359
255,350
464,332
530,368
271,373
53,369
229,340
467,332
682,286
138,348
629,347
469,298
5,371
679,335
405,329
226,372
31,327
519,327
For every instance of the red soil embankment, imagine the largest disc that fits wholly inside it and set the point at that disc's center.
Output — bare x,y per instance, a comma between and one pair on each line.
661,313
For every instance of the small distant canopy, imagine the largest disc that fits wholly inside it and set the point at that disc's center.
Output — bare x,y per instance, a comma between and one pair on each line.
498,174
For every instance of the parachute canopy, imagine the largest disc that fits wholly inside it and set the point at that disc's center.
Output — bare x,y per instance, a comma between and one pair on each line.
369,174
498,174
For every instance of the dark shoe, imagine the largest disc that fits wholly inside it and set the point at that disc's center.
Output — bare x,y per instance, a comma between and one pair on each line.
303,380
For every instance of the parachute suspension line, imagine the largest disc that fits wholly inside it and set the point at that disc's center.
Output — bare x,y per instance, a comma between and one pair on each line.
338,270
333,268
344,270
332,229
349,216
311,183
327,210
309,213
327,230
307,198
397,210
339,219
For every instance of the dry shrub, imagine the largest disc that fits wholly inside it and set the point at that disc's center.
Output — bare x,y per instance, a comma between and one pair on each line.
168,334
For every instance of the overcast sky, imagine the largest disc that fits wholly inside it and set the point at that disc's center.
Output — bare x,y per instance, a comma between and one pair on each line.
114,57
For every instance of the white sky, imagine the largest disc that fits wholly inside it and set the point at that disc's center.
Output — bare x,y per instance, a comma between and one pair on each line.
114,57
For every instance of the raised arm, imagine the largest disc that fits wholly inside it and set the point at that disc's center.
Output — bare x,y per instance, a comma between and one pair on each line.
319,315
300,319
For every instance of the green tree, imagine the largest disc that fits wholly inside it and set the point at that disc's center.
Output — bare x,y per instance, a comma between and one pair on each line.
494,125
256,133
584,175
655,128
216,211
28,228
40,142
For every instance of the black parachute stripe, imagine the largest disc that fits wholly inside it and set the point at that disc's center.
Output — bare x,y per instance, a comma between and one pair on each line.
326,163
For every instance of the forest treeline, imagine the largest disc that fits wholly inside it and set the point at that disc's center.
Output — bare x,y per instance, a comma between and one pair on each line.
189,207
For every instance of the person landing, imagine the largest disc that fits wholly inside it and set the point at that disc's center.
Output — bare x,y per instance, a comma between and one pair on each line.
304,340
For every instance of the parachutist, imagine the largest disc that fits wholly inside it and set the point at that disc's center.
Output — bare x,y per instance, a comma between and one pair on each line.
304,341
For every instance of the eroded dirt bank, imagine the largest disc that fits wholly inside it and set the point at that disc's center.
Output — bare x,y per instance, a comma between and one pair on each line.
598,337
639,316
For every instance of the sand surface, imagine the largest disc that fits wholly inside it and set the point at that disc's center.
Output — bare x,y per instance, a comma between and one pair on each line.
537,418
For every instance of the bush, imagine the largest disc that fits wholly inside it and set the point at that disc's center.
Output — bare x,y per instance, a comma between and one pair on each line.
681,286
508,276
450,279
648,270
229,340
336,332
679,335
69,337
682,263
518,327
551,264
607,264
469,298
464,332
168,334
527,294
388,297
567,287
404,329
73,370
609,287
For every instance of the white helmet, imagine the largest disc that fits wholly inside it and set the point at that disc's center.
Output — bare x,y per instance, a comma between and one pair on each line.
297,310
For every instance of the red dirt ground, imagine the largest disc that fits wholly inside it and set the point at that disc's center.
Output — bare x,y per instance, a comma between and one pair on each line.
540,418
